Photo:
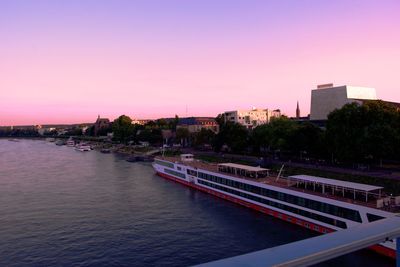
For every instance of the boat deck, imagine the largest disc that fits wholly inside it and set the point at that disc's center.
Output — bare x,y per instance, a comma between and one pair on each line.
282,182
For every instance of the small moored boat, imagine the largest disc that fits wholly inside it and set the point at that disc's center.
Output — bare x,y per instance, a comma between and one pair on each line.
83,147
70,143
60,142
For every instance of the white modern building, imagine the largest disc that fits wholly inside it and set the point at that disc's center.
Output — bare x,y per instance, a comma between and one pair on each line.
326,98
251,118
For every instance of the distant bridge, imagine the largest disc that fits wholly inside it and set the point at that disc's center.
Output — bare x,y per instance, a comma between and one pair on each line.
321,248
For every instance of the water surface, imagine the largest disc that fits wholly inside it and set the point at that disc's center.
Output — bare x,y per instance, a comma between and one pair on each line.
61,207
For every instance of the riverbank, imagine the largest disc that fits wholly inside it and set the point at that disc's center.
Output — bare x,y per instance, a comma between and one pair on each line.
390,181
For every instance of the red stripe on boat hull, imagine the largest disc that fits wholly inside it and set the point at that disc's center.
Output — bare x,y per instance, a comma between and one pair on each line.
309,225
385,251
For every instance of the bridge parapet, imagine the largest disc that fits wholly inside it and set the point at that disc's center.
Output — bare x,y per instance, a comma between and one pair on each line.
321,248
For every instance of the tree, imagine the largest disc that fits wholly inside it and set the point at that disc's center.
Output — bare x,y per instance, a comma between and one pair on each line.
173,123
105,130
276,135
150,124
381,130
74,132
220,119
203,137
153,136
90,131
344,132
308,138
123,129
162,124
182,134
46,133
360,133
261,137
234,135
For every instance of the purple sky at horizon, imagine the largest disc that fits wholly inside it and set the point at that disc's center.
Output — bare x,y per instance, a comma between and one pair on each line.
68,61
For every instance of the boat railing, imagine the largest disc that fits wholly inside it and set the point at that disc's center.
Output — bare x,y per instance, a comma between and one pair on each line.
375,200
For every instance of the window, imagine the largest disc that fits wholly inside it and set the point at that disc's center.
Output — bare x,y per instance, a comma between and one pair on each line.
334,210
164,163
294,210
180,175
373,217
191,172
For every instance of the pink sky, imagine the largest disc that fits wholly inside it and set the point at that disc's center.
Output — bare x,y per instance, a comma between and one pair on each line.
67,63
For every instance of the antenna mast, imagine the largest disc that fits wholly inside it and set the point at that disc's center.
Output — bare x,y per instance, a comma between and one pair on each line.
280,172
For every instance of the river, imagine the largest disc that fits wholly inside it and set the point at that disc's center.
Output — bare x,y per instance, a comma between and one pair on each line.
61,207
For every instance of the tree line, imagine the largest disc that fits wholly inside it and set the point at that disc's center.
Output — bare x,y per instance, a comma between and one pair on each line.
357,133
365,133
159,132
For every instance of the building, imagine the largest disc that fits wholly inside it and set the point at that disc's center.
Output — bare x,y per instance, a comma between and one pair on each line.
6,128
251,118
24,127
46,130
298,111
101,124
195,124
326,98
140,122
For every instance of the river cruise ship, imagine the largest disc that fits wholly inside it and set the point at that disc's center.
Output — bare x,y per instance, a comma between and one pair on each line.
319,204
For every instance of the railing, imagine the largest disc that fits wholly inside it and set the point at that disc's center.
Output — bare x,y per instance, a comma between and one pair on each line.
319,249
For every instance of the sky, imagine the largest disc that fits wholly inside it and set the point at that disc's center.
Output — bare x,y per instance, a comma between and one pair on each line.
70,61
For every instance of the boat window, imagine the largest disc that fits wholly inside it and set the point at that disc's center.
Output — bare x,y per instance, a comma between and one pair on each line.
164,163
373,217
291,209
191,172
334,210
180,175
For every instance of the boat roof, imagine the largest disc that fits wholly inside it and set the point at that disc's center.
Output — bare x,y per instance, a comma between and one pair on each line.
243,167
339,183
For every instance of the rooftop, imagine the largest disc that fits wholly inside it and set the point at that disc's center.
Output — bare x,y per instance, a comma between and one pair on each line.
338,183
196,120
243,167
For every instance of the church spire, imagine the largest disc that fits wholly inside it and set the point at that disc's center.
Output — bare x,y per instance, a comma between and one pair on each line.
298,111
